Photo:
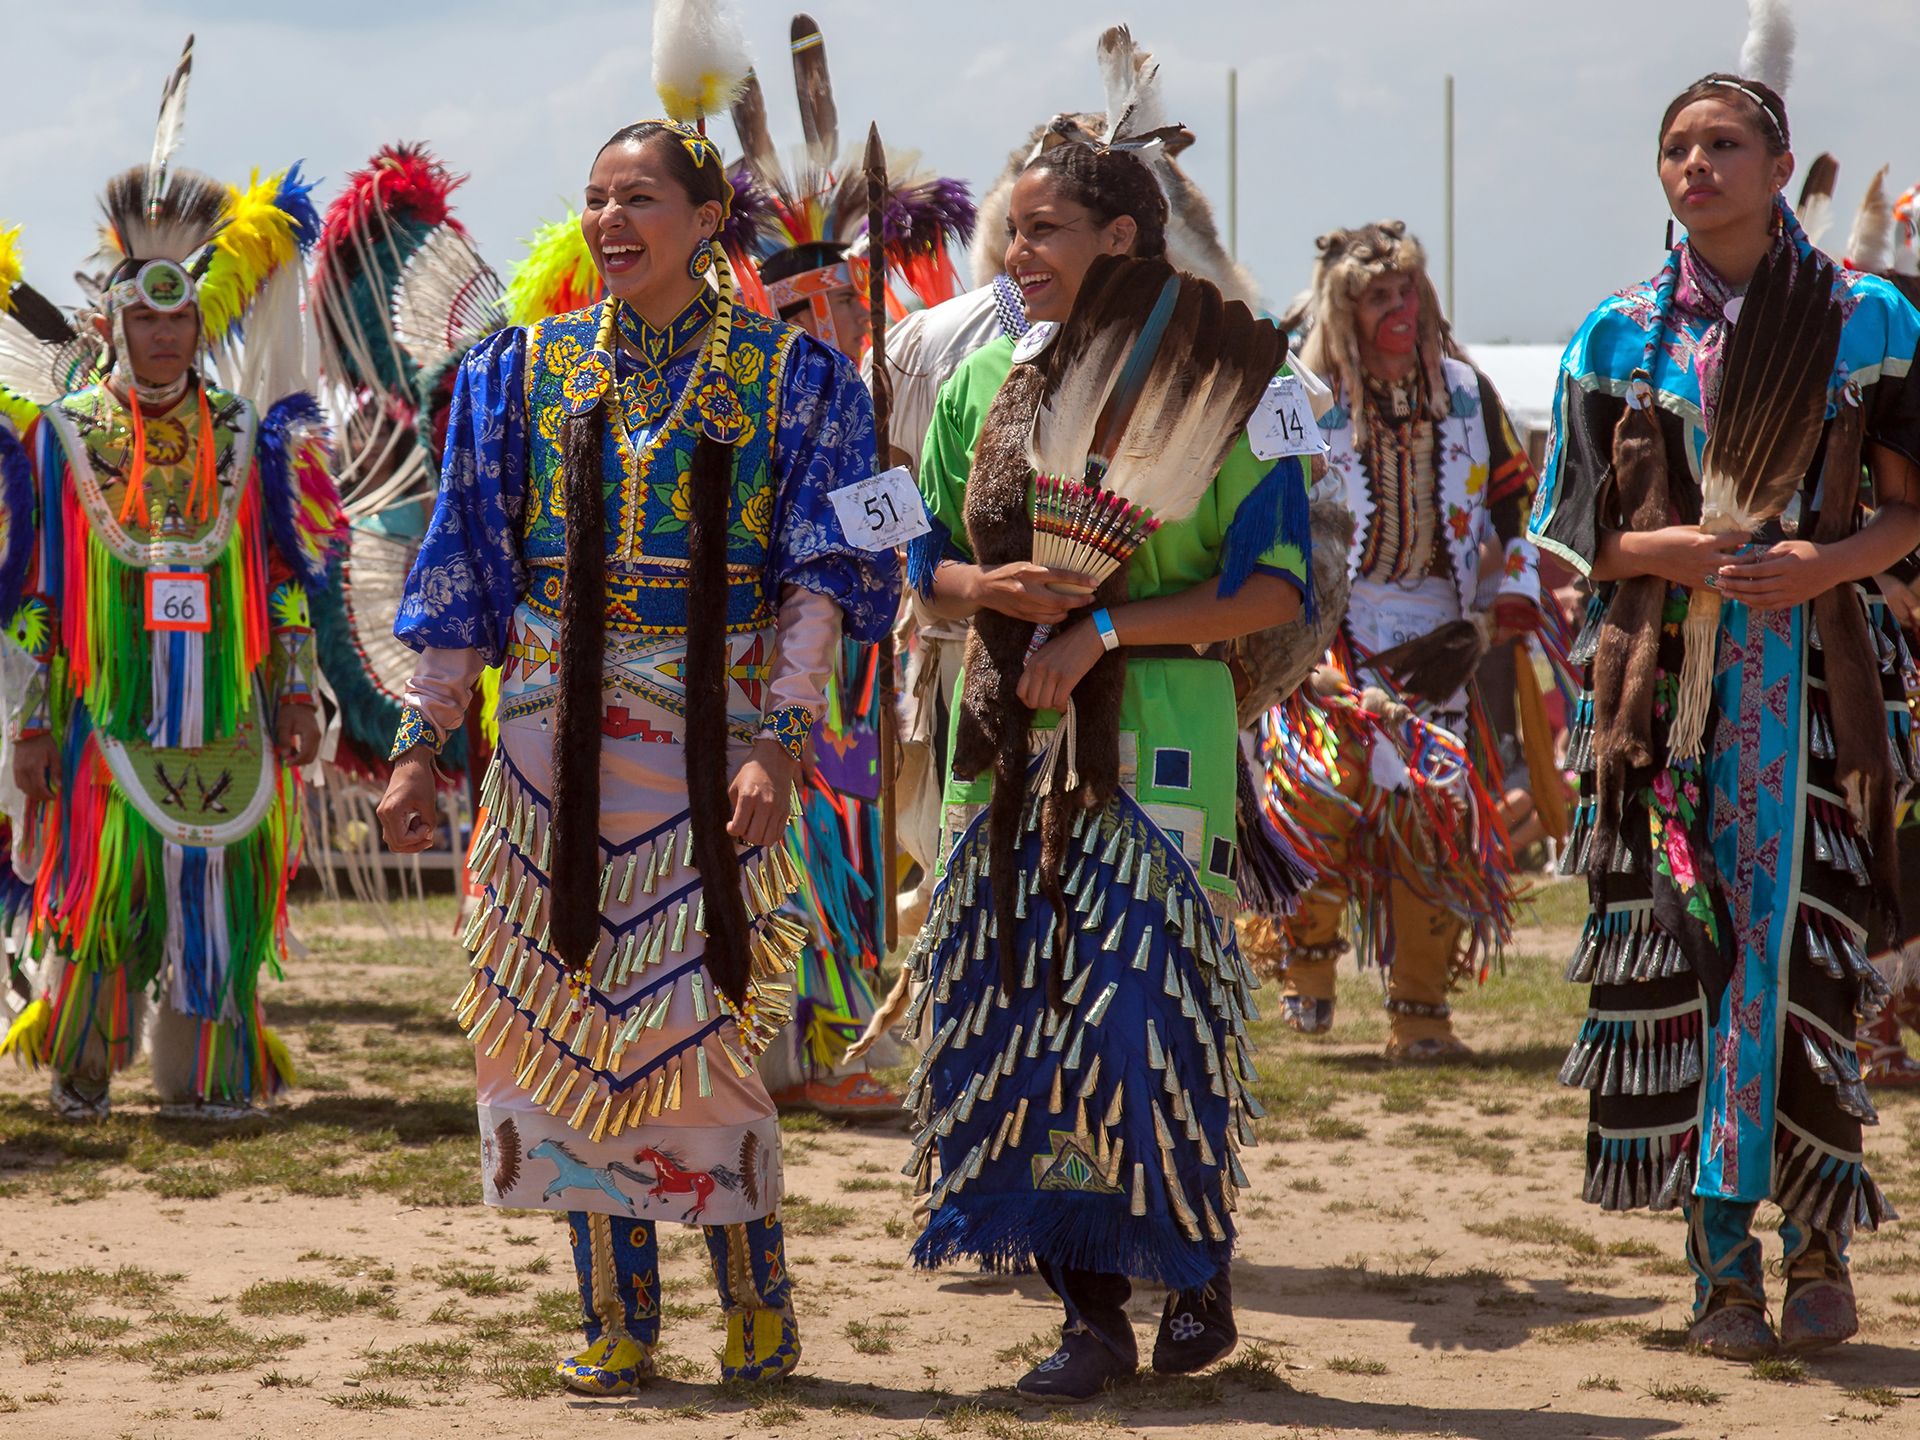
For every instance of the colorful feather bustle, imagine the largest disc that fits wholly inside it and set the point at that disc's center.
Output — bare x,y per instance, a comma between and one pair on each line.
821,198
556,274
42,357
387,212
700,57
403,184
265,224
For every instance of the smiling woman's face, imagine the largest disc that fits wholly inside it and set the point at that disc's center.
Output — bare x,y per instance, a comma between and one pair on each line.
1052,241
641,226
1715,168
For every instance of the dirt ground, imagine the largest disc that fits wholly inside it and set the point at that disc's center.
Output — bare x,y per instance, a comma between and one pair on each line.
1413,1259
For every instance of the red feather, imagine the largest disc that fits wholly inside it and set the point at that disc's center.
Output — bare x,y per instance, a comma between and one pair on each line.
405,181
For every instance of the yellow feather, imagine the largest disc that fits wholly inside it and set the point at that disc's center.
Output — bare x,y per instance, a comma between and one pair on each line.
26,1038
18,410
10,269
257,239
278,1055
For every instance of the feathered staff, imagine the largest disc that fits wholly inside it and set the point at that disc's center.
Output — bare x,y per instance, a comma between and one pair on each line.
877,196
1773,403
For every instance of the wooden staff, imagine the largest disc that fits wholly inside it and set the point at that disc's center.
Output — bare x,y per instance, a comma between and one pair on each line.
876,168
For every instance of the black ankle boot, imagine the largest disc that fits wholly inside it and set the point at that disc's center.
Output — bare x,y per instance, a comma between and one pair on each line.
1196,1328
1086,1364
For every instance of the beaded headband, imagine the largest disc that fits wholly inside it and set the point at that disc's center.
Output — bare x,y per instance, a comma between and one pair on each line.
1774,122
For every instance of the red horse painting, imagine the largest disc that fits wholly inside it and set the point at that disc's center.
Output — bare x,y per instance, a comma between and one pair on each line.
670,1179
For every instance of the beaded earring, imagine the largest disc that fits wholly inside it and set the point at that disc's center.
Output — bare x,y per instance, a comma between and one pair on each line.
700,263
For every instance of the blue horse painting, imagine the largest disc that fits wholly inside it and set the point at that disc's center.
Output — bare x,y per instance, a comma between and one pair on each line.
571,1174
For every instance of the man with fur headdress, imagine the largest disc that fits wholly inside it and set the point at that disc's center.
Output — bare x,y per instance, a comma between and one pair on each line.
1384,796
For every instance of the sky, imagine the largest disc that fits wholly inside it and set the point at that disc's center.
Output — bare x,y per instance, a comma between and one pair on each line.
1340,110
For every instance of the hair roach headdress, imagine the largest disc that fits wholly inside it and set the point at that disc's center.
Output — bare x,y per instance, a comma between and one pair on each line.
812,234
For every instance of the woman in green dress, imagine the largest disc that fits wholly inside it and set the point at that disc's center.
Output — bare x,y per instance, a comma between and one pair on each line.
1087,1119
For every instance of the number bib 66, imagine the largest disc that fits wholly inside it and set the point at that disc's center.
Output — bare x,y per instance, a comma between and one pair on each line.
179,601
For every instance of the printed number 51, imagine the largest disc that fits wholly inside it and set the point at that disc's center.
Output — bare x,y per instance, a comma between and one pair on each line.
880,511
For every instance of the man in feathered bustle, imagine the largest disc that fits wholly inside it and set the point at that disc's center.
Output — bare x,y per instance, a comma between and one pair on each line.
1439,487
155,566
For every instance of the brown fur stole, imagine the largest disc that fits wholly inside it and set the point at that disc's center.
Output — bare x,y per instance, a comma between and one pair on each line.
574,886
1624,663
994,725
573,882
1862,767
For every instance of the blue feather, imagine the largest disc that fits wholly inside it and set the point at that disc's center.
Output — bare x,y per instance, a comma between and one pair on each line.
16,498
1276,513
274,453
295,200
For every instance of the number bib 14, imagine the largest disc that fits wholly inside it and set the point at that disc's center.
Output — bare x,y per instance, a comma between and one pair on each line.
1282,423
882,511
179,601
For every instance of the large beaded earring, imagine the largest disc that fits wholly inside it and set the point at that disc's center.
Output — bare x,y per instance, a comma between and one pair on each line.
700,263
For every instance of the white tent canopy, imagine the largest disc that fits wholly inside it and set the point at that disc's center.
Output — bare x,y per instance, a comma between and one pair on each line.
1524,376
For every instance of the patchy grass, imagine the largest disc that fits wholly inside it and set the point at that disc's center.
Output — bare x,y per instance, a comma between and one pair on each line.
476,1282
181,1346
1601,1382
371,1400
1356,1365
314,1297
1684,1394
440,1365
1781,1369
802,1216
872,1337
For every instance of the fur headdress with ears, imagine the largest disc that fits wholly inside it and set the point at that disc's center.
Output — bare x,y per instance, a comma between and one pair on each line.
1349,261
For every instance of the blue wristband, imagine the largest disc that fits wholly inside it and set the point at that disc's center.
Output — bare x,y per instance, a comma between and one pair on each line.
1103,622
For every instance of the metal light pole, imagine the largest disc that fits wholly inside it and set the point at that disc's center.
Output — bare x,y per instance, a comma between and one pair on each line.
1449,132
1233,162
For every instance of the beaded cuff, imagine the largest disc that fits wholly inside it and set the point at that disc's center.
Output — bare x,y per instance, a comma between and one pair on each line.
790,725
415,729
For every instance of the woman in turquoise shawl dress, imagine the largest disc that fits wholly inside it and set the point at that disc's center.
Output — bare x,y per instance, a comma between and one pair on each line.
1731,892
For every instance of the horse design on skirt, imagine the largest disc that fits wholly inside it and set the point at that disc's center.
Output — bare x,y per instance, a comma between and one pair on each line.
571,1173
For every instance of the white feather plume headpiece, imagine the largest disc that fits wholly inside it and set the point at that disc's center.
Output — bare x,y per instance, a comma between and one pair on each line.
1767,54
700,57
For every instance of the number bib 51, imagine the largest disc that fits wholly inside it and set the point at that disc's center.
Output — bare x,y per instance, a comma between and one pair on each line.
179,601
